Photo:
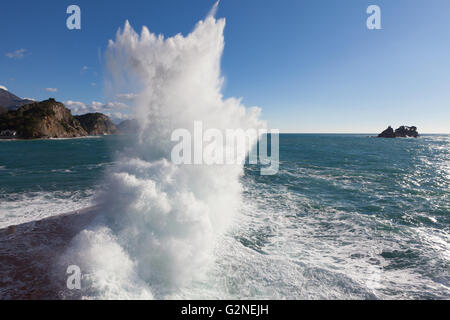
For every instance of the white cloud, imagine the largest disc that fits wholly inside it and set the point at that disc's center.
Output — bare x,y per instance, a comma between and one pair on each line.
121,116
126,96
51,89
76,106
4,88
18,54
111,109
96,106
118,116
93,84
84,69
71,103
116,105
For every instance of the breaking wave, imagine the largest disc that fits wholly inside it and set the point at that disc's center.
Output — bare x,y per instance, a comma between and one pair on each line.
159,221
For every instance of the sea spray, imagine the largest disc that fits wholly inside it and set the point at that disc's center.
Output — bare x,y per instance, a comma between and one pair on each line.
159,221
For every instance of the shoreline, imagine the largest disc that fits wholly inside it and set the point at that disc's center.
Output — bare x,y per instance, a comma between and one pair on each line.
66,138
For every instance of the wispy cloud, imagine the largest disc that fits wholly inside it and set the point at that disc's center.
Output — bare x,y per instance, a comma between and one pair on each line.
116,105
126,96
18,54
76,106
96,106
115,110
84,69
100,106
51,89
118,116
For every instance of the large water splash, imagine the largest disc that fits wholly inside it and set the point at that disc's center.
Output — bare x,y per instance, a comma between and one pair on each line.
159,220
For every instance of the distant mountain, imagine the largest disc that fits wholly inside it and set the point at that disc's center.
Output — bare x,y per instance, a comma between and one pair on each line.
3,110
128,126
10,101
97,124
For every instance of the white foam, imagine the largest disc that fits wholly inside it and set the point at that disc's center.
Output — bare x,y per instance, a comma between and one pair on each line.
21,208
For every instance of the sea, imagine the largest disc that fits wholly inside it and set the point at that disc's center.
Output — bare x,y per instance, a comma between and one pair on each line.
347,216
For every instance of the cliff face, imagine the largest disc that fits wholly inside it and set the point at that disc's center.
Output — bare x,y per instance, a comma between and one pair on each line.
97,124
46,119
3,110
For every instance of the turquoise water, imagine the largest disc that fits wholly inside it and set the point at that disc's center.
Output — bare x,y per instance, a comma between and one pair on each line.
46,177
347,216
371,216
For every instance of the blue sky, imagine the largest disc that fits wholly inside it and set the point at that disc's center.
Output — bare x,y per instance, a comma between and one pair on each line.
312,66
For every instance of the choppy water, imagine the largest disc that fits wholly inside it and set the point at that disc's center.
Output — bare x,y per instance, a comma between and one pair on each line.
45,177
346,217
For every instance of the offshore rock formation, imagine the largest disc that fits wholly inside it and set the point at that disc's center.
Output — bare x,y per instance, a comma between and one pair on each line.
405,131
97,124
401,132
388,133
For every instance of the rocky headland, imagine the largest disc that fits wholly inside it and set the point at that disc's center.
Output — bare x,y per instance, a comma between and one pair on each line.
46,119
50,119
